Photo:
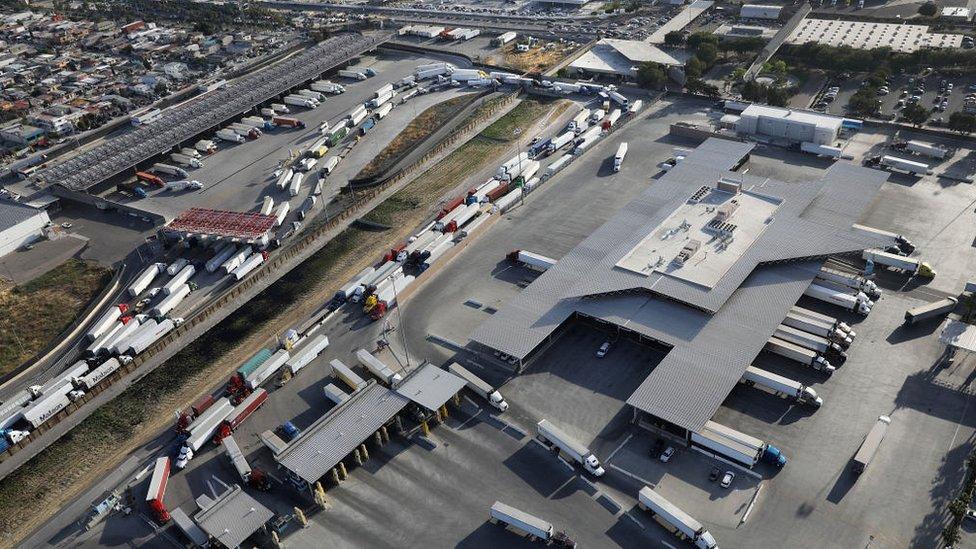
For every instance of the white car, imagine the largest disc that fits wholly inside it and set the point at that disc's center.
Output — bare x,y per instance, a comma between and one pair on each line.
667,454
603,350
727,479
186,454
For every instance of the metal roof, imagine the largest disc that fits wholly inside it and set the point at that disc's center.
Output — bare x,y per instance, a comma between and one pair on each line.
333,436
715,332
222,223
232,517
180,123
13,214
680,21
430,386
960,335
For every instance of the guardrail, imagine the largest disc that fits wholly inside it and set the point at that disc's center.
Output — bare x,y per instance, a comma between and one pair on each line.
220,307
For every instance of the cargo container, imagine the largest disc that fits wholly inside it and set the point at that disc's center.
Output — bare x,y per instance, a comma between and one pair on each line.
150,178
737,446
247,266
383,111
273,442
674,519
870,445
555,437
559,164
267,369
378,368
479,386
284,179
104,323
618,159
781,385
287,122
926,149
635,107
612,118
236,458
335,394
309,351
189,528
295,185
46,407
253,363
346,374
143,340
185,273
936,309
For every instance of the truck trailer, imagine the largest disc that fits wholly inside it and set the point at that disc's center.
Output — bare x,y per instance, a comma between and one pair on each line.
870,445
828,320
800,354
930,310
782,385
312,349
346,374
818,328
910,265
908,166
618,159
674,519
378,368
855,303
830,350
850,280
479,386
528,525
737,446
554,437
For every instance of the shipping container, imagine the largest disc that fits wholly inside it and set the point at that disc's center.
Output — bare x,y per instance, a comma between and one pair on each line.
253,363
346,374
91,379
104,323
247,407
267,369
170,302
308,352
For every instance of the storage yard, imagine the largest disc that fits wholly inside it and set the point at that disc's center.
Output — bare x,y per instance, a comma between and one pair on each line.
586,322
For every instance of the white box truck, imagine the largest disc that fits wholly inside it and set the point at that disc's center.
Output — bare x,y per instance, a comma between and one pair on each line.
618,159
555,437
674,519
479,386
528,525
855,303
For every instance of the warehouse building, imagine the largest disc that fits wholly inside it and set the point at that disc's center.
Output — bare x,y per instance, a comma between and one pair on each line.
620,59
759,11
779,124
681,20
20,225
901,38
706,262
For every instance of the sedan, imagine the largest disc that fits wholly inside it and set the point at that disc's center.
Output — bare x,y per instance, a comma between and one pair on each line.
727,479
667,455
603,350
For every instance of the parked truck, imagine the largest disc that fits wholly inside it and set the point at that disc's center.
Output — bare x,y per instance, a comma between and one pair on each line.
169,169
858,303
295,184
287,122
309,351
186,160
800,354
326,86
908,166
926,149
346,374
827,320
851,280
930,310
528,525
150,178
870,445
822,329
184,185
910,265
618,159
781,385
352,74
533,261
378,368
202,430
737,446
236,458
554,437
674,519
479,386
229,135
833,352
222,255
157,489
145,278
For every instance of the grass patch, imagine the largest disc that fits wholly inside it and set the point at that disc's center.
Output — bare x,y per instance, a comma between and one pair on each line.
417,131
34,313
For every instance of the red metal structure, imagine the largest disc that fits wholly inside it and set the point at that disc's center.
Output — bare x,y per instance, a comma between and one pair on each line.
222,223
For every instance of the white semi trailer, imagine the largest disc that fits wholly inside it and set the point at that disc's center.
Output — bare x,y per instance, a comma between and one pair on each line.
816,327
828,320
800,354
479,386
850,280
674,519
782,385
830,350
909,264
856,303
555,437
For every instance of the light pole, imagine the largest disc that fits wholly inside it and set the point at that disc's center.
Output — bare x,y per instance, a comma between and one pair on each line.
403,338
517,132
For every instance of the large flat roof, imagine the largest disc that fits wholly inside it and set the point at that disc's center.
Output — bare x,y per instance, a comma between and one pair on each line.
680,21
900,37
715,331
233,517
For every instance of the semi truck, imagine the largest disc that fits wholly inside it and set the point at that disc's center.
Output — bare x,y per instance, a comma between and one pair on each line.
554,437
267,205
346,292
346,374
531,260
828,349
205,146
190,529
150,178
383,111
910,265
378,368
870,445
327,86
674,519
300,101
295,184
104,323
229,135
737,446
504,38
351,74
908,166
202,429
169,169
186,160
88,381
247,266
236,259
183,185
850,280
930,310
145,278
329,165
236,458
926,149
560,141
618,159
818,328
280,108
287,122
800,354
284,178
528,525
827,320
855,303
267,369
479,386
311,94
157,489
781,385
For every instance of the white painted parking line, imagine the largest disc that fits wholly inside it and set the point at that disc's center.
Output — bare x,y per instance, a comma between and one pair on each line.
753,474
512,427
668,544
566,463
622,444
631,475
465,422
752,504
637,522
563,485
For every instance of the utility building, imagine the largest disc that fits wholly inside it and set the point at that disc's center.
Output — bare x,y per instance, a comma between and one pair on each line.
779,124
706,262
20,225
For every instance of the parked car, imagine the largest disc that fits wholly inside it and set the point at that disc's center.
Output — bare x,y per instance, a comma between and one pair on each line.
603,350
667,455
727,479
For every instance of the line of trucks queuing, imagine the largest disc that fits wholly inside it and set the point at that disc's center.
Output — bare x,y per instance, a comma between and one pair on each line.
917,148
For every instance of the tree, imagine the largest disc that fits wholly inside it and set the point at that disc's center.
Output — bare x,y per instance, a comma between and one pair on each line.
161,89
695,67
915,114
651,76
699,86
928,9
864,102
777,97
707,52
674,38
700,38
962,122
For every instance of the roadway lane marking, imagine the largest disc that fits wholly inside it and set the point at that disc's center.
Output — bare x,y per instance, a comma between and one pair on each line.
631,475
622,444
566,463
637,522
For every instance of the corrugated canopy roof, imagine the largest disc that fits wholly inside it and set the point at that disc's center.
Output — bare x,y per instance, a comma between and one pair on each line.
233,517
715,332
430,386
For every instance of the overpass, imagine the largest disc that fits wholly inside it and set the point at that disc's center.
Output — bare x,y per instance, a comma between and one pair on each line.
181,123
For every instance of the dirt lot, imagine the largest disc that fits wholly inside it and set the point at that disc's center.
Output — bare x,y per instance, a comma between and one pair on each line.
32,313
538,59
416,131
37,490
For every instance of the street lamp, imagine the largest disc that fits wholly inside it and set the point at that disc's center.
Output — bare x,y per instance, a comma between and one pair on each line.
403,337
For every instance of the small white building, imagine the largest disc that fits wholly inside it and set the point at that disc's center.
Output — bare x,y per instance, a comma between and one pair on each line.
20,225
759,11
957,14
778,123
